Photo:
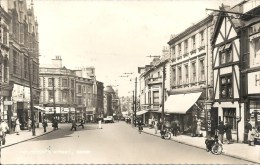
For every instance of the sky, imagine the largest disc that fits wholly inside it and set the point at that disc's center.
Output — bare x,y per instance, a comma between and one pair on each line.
114,36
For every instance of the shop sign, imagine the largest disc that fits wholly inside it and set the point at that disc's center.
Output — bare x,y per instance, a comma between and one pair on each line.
8,102
254,82
209,121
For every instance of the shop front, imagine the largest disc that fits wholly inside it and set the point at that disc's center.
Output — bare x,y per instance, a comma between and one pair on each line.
185,110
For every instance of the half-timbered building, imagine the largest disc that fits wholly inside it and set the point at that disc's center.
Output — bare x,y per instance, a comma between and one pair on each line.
227,105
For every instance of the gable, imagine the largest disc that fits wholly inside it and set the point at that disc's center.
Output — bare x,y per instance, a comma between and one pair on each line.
225,32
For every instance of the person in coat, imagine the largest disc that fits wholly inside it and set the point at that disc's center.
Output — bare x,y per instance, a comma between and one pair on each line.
174,128
251,136
248,127
17,126
228,129
193,127
221,131
198,129
82,123
73,125
44,125
3,130
29,124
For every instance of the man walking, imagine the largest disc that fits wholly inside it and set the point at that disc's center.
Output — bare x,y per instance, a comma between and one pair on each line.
44,124
228,128
81,123
221,131
3,130
74,125
248,127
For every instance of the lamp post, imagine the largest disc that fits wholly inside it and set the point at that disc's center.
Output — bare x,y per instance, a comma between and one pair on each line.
53,91
134,97
31,95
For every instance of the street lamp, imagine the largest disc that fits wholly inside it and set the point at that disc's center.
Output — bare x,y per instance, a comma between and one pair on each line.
31,94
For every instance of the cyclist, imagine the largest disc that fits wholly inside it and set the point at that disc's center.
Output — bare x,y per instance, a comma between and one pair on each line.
140,125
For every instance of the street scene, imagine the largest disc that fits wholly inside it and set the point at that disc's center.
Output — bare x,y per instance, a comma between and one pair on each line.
129,82
116,143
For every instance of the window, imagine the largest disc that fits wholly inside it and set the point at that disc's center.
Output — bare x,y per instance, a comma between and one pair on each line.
193,40
5,36
50,82
179,49
50,92
226,54
193,69
15,62
22,33
156,97
72,83
65,97
174,76
185,46
84,88
34,74
186,74
180,76
64,82
79,89
202,69
256,57
226,90
173,52
229,115
26,70
202,42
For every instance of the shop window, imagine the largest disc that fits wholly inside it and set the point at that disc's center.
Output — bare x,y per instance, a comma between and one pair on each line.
229,115
226,89
226,54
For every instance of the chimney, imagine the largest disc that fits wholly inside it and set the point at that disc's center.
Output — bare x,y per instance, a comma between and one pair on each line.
57,62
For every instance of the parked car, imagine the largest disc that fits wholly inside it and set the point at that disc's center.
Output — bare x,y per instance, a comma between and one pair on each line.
109,119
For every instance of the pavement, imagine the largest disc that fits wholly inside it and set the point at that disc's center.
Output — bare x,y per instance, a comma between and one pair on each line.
25,135
237,150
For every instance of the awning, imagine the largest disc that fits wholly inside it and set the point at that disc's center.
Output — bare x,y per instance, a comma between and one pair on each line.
40,108
180,103
141,112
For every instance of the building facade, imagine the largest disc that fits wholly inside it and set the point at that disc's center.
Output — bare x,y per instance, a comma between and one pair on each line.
23,62
190,76
69,94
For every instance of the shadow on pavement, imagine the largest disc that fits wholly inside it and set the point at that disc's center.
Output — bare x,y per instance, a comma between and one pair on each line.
65,132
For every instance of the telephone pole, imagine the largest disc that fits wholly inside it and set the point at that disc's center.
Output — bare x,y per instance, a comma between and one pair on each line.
53,90
31,94
163,86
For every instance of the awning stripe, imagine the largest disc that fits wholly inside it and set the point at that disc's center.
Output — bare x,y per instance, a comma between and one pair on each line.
141,112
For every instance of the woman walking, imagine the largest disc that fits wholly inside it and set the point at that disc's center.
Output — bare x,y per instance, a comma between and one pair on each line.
17,126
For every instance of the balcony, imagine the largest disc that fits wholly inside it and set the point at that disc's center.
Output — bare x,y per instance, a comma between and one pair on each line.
185,54
179,57
202,47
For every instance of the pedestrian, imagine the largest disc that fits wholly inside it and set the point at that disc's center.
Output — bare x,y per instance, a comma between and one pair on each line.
155,126
251,136
44,124
228,129
248,127
3,130
221,131
73,125
140,125
174,128
29,124
81,123
198,129
17,126
193,127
